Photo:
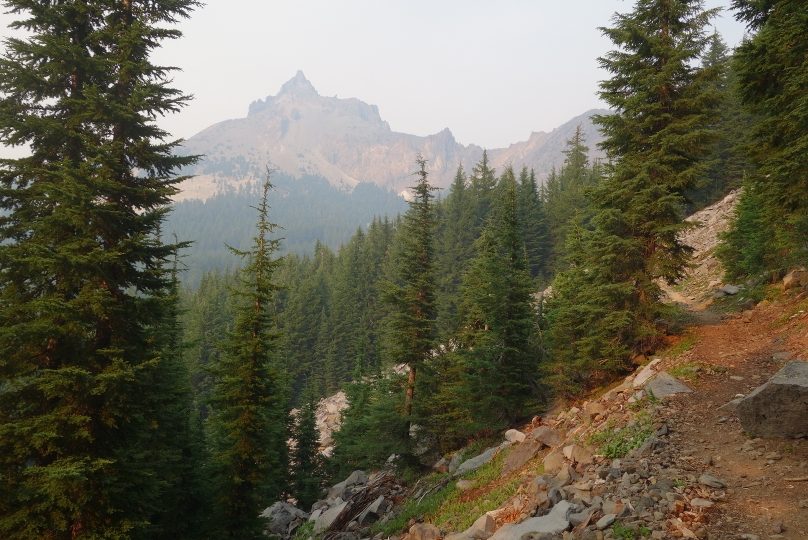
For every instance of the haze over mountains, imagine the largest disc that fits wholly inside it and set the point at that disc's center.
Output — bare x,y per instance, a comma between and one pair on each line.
301,133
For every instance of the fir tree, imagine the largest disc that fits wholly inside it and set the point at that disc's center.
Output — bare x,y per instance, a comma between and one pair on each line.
499,352
772,71
412,295
249,415
306,464
82,289
533,220
567,198
178,445
482,184
664,107
727,164
456,244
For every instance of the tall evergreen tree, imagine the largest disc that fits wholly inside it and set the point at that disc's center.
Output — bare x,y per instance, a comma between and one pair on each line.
249,402
306,464
482,184
178,445
498,353
455,238
664,106
567,200
81,285
533,220
412,295
772,72
727,164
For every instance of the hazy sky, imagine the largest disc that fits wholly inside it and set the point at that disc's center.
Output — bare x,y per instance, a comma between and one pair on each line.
492,72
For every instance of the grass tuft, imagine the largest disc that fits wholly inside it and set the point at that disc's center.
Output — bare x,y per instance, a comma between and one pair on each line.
452,509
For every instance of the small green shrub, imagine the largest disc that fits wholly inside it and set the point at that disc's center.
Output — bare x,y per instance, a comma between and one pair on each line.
683,346
443,506
617,443
628,533
688,372
304,532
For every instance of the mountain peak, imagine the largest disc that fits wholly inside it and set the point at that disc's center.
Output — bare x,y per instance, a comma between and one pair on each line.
298,85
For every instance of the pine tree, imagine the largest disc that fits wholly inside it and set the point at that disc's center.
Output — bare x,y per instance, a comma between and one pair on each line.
249,415
177,446
81,286
306,464
455,238
664,107
727,164
482,184
568,204
533,219
499,352
412,295
772,71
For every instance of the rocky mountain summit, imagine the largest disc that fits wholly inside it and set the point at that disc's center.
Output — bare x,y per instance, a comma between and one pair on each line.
300,132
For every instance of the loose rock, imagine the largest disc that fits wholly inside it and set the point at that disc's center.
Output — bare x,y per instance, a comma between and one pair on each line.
666,385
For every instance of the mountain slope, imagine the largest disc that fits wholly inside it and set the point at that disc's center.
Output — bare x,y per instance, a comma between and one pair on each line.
346,141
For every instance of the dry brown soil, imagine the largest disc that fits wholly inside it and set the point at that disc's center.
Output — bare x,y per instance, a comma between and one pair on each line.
768,479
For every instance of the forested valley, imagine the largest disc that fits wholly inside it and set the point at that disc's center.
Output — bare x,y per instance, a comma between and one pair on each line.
135,406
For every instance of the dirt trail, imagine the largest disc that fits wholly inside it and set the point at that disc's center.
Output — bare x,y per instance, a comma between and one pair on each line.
768,479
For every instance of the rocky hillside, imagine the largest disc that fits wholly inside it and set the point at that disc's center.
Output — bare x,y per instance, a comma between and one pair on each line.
706,441
346,141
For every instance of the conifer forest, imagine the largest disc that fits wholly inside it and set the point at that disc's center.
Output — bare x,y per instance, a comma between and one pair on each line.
135,404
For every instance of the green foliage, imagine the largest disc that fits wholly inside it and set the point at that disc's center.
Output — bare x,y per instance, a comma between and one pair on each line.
456,235
747,248
606,302
618,442
411,296
683,346
626,532
306,463
497,348
726,165
374,427
688,372
772,218
566,200
248,420
444,506
85,443
305,531
532,209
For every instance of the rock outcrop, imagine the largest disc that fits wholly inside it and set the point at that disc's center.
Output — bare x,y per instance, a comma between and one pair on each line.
778,407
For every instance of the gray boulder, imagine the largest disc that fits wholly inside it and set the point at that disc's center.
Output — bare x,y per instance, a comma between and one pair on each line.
778,407
337,490
357,477
730,289
372,513
553,461
455,462
424,531
795,278
521,455
327,518
476,462
553,523
547,436
666,385
280,515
